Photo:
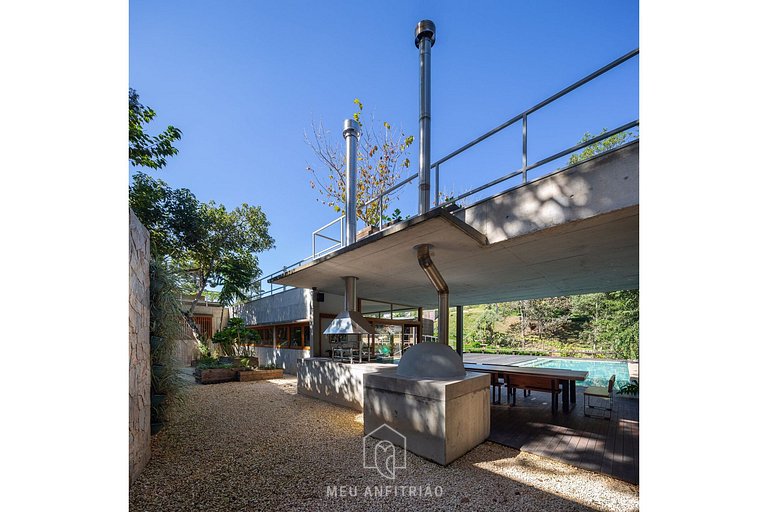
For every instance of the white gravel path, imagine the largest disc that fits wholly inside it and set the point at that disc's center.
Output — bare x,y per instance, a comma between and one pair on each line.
261,446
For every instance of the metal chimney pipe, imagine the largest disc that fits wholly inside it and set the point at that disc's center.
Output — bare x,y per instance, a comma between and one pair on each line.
350,293
425,39
351,134
426,263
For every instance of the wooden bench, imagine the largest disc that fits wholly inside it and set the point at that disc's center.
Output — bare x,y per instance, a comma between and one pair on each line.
532,383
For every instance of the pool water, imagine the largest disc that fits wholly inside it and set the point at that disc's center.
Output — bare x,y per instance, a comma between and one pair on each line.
599,371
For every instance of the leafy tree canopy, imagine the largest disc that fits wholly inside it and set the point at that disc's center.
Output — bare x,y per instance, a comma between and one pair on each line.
203,243
207,245
145,150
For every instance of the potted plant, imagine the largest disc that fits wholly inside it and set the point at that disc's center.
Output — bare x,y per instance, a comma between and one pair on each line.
631,389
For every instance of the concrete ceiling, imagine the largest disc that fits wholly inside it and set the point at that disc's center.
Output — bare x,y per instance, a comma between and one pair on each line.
597,254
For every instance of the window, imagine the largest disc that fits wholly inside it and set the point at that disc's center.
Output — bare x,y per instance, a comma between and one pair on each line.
297,338
264,336
294,336
282,336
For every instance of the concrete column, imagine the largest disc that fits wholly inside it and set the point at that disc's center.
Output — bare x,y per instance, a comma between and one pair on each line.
314,326
460,330
421,325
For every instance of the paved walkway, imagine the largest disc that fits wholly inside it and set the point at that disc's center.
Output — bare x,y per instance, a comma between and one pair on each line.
251,446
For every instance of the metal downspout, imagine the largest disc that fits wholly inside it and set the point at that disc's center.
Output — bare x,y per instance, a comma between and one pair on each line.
426,263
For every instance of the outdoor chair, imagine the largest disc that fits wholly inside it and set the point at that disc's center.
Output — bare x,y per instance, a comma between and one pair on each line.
603,395
497,381
530,383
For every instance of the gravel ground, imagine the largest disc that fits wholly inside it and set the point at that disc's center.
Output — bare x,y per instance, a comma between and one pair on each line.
261,446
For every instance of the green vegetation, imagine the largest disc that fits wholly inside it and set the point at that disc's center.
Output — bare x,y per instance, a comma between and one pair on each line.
203,244
593,325
146,150
235,339
601,146
382,156
632,388
164,328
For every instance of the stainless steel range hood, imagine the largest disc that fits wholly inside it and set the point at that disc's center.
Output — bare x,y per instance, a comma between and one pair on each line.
350,321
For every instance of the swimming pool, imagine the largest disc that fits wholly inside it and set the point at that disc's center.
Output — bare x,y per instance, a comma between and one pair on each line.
599,371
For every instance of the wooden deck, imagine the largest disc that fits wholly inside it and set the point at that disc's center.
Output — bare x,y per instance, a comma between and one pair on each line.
610,447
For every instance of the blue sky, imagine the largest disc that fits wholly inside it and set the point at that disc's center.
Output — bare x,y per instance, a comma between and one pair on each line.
244,80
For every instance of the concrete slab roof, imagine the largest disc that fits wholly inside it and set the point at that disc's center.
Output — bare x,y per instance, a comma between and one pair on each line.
600,253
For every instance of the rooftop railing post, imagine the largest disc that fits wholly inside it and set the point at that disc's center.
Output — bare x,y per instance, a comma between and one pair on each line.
351,134
525,148
425,39
437,185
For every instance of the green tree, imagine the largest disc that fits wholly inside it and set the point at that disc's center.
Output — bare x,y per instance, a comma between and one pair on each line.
550,316
204,243
619,326
223,252
235,339
382,156
145,150
172,216
600,146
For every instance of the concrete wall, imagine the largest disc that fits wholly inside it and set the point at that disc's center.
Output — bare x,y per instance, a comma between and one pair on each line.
289,306
284,358
138,346
335,382
185,351
440,419
591,188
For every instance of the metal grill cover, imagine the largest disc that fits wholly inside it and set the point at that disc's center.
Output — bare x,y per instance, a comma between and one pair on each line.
435,361
350,322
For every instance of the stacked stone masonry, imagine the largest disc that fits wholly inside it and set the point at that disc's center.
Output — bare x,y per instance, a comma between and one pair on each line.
138,336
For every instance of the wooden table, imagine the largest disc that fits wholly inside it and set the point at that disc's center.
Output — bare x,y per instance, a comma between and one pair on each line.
566,378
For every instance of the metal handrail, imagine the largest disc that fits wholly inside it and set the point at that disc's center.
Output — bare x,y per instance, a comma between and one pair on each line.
272,288
523,170
540,105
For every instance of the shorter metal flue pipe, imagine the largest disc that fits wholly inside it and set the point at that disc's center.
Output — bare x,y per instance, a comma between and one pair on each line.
426,263
351,134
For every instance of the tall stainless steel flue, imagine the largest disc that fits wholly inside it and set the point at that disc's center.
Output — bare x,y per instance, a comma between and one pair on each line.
425,39
434,276
351,134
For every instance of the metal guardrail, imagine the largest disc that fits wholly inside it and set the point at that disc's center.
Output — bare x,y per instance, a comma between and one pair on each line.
522,171
264,292
322,233
523,116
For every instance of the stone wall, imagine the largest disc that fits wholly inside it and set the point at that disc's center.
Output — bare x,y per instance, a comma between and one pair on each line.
138,340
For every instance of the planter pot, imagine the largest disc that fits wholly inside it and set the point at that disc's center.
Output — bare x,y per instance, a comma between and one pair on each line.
215,375
251,375
367,230
452,207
